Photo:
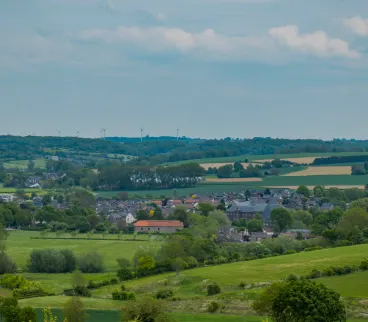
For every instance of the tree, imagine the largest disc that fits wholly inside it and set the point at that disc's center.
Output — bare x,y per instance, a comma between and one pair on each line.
46,200
146,309
307,301
74,310
205,208
281,219
91,262
145,265
180,213
124,262
78,279
225,171
27,314
319,192
93,220
31,165
9,309
303,190
238,166
360,203
142,215
302,219
267,191
179,264
255,225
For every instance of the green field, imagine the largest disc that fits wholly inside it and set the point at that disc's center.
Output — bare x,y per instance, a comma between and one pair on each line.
23,164
353,285
20,245
268,156
265,270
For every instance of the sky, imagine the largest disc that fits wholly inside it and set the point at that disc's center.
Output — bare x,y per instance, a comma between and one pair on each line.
212,68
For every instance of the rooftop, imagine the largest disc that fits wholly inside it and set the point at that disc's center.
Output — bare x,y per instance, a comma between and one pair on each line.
158,223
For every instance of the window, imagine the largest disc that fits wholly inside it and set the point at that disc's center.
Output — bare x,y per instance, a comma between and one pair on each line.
158,228
141,228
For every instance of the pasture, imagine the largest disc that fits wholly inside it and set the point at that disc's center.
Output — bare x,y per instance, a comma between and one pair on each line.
322,171
23,164
226,180
230,275
20,245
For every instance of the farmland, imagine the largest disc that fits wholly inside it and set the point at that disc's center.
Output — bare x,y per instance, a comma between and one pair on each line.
20,245
188,285
322,171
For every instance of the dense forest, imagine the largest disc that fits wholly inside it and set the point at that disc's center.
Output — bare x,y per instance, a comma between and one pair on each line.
157,151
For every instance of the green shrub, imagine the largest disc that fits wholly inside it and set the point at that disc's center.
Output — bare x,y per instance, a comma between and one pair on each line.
27,314
310,249
292,277
7,265
330,271
164,294
19,293
290,252
314,274
51,261
123,296
213,307
82,291
364,265
91,263
242,284
213,289
125,274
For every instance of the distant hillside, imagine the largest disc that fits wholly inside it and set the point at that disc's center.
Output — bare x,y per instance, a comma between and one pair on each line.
157,150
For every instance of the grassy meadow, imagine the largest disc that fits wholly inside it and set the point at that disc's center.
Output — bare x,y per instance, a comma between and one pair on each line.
20,245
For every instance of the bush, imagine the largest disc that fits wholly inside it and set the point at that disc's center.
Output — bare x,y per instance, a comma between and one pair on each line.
364,265
51,261
292,277
123,296
125,274
191,261
6,264
82,291
290,252
213,289
164,294
314,274
330,271
213,307
310,249
242,284
19,293
91,263
27,314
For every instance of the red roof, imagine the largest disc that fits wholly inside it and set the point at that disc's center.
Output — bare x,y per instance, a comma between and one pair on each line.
159,223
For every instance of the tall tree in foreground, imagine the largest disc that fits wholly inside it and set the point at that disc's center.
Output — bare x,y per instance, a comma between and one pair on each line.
297,300
74,310
281,219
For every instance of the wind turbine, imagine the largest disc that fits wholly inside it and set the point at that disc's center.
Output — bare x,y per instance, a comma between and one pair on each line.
177,134
141,134
104,133
78,131
59,132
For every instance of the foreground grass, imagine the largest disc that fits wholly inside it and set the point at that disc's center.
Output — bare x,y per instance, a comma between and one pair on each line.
264,270
19,246
353,285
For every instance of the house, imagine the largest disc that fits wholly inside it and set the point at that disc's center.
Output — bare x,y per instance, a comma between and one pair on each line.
125,216
6,197
327,206
33,181
158,226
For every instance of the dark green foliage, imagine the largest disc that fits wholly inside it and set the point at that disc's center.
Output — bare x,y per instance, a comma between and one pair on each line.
242,284
303,190
91,262
123,296
281,219
9,309
213,307
51,261
250,172
364,265
292,277
6,264
314,274
125,274
74,310
225,171
213,289
27,314
145,309
164,294
82,291
308,302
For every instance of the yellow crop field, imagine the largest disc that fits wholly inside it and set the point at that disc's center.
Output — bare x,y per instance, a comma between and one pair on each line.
322,171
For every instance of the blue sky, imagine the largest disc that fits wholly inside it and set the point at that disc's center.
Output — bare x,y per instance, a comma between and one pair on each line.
213,68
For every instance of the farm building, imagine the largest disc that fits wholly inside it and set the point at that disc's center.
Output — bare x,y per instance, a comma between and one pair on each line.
158,226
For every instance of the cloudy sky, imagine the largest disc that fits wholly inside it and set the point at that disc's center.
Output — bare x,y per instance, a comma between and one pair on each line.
213,68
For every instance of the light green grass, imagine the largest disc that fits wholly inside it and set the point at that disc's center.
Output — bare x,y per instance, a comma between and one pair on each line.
20,245
352,285
23,164
264,270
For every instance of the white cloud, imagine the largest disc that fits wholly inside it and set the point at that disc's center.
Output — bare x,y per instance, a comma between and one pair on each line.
358,25
317,43
160,39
